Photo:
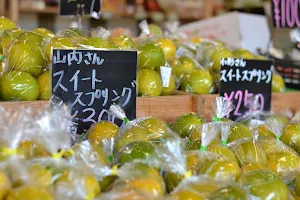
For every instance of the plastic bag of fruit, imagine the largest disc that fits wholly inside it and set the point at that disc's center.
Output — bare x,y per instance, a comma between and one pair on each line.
26,67
203,187
149,140
282,159
194,78
15,137
214,160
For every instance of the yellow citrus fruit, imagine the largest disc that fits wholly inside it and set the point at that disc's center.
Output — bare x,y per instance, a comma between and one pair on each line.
5,185
278,84
282,162
168,47
148,185
44,82
101,131
27,192
157,128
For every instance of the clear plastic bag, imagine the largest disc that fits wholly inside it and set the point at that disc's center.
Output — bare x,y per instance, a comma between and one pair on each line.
100,39
215,161
151,141
282,159
203,187
264,184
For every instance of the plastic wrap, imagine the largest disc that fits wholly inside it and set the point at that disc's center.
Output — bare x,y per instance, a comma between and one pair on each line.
221,108
125,193
141,177
14,134
100,39
215,161
202,187
282,159
151,141
263,184
75,184
149,83
187,124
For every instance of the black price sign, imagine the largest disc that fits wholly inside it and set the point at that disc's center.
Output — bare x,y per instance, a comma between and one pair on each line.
80,7
92,80
286,13
241,79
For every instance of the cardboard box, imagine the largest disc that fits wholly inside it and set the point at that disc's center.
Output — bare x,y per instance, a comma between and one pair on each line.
239,30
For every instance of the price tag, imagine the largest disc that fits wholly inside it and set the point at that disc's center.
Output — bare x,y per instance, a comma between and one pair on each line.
80,7
241,79
92,80
286,13
166,73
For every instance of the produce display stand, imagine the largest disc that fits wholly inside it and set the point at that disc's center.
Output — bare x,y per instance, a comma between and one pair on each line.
170,107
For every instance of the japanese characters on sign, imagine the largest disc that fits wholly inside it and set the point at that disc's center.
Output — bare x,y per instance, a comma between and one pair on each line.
80,7
286,13
242,79
92,80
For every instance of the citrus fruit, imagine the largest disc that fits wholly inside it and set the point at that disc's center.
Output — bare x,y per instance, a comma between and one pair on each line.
168,47
19,86
150,56
44,82
149,83
6,24
198,82
101,131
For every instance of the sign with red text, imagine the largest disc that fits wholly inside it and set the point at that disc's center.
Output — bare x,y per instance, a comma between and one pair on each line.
91,80
241,79
286,13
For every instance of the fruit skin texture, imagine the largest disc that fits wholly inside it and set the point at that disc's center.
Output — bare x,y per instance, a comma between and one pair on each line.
168,47
27,192
155,30
198,82
19,86
150,56
186,124
6,24
91,184
183,66
282,162
44,32
32,37
27,57
218,55
99,43
148,185
223,151
139,150
239,131
291,136
8,36
134,133
149,83
228,193
102,130
58,43
123,41
221,169
297,185
265,185
5,185
172,87
242,53
44,82
156,127
278,84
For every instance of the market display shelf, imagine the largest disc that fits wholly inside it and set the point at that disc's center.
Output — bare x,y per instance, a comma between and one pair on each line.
170,107
47,10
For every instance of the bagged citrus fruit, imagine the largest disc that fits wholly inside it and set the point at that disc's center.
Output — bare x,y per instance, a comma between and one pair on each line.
215,162
100,39
282,159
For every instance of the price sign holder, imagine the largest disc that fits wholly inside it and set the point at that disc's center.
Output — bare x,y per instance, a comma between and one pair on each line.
242,79
80,8
92,80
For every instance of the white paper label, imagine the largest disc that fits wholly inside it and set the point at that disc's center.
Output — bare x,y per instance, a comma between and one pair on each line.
165,75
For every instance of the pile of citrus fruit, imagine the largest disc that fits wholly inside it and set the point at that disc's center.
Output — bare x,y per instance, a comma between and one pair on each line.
257,158
26,60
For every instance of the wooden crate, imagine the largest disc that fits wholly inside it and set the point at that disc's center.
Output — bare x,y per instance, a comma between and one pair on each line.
280,102
165,107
